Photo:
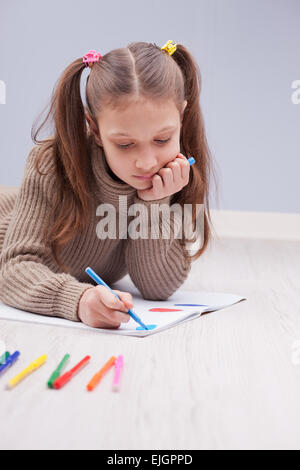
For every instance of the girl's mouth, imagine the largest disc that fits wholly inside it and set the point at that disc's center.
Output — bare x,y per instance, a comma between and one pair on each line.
144,178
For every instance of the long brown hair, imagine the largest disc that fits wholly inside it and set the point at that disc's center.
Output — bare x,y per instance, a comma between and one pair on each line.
141,69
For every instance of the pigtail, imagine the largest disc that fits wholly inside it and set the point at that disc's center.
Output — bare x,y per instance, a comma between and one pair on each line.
194,143
71,131
70,155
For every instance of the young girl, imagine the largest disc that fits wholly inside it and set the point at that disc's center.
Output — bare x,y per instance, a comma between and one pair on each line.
141,122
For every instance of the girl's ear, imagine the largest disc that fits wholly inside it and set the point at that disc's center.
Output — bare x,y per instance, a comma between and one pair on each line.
93,128
183,109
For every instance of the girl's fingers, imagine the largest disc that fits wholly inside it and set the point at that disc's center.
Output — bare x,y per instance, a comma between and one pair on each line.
157,184
113,317
182,157
109,299
126,298
185,171
180,168
167,176
176,169
184,167
97,320
111,307
172,177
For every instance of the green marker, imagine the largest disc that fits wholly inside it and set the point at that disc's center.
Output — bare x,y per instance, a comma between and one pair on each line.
4,357
57,371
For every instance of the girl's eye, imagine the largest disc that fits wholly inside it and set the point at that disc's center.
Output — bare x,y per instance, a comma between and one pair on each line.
124,147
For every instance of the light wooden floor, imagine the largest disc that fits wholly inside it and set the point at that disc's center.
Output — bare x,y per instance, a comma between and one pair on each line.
223,381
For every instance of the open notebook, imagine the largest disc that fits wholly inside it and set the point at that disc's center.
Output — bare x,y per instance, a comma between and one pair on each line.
180,307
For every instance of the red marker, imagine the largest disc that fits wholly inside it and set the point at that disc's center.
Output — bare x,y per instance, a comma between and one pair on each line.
63,379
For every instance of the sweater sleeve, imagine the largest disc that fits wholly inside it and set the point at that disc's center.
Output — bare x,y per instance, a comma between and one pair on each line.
29,277
157,265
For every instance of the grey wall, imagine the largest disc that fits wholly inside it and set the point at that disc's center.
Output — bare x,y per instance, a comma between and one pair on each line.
247,51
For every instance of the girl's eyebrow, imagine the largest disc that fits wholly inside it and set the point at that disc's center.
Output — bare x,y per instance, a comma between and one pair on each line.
113,134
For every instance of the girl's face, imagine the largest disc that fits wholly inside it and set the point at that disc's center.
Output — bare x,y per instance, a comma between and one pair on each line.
140,140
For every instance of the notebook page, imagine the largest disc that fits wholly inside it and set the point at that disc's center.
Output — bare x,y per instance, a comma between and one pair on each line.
181,306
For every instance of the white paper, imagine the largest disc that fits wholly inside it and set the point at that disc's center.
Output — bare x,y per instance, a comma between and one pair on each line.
212,301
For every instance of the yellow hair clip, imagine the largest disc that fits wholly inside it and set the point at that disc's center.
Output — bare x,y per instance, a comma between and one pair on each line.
169,47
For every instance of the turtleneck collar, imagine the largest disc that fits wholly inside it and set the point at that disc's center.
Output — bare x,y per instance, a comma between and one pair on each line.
106,187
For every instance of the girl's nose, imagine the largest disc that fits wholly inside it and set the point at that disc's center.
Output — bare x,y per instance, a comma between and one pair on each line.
147,164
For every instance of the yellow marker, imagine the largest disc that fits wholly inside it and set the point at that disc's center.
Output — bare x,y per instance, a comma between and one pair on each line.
32,367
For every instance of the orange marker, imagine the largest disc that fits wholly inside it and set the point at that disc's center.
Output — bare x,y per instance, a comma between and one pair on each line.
97,377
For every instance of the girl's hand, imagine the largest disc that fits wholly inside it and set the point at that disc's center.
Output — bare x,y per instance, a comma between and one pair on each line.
99,308
168,180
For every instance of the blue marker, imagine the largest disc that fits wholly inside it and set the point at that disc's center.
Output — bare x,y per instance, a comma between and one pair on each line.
100,281
10,361
150,327
191,160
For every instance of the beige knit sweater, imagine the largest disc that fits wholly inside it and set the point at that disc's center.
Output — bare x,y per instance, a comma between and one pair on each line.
31,280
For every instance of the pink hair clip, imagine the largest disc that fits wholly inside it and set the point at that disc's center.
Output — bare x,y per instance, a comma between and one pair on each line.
91,57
